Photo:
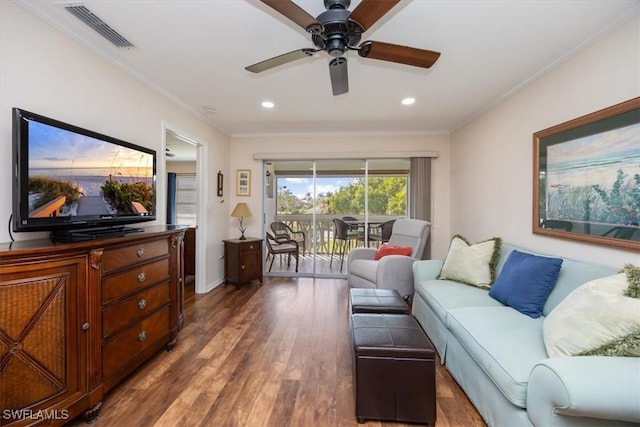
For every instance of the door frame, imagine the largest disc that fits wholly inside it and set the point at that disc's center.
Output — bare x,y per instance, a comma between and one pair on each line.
201,198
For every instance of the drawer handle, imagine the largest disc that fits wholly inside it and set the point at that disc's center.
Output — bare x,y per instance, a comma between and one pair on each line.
142,277
142,304
242,267
85,326
250,246
142,336
140,252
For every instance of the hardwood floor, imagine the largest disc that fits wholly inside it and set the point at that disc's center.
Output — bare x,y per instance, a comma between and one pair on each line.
276,354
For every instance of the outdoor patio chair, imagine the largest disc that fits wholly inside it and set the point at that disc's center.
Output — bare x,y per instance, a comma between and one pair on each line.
280,246
343,238
281,229
349,220
383,232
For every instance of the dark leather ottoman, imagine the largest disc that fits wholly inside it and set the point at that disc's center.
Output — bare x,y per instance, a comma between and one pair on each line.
394,369
369,300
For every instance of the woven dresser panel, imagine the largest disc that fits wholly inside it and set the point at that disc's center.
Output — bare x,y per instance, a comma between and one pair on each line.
32,339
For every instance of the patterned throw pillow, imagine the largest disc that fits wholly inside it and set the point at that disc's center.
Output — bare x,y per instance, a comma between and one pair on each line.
471,264
596,319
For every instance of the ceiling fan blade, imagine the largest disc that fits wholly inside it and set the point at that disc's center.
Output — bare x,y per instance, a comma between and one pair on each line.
368,12
339,77
293,12
280,60
397,53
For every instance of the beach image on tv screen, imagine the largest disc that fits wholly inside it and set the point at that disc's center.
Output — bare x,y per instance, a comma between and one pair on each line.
75,175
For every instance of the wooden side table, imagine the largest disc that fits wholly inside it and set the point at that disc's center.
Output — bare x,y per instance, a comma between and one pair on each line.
242,260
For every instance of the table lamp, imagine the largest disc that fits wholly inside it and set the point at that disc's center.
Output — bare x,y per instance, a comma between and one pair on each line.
240,211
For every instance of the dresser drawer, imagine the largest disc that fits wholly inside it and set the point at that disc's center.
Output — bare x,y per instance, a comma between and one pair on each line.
129,255
126,345
249,247
133,308
134,279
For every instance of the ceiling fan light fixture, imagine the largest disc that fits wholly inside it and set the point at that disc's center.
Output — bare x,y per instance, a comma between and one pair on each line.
267,104
337,30
335,47
408,101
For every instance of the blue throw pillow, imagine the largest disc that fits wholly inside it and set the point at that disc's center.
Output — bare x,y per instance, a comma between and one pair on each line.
526,281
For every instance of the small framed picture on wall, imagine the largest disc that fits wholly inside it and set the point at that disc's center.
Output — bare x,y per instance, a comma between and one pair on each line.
220,183
243,182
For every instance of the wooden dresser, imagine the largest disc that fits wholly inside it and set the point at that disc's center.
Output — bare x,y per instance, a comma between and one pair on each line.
76,318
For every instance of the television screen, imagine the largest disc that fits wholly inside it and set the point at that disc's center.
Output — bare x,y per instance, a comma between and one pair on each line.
68,177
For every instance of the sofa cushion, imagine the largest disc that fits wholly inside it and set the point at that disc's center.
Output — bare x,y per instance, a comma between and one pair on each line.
595,319
572,274
445,295
471,264
525,282
503,342
386,249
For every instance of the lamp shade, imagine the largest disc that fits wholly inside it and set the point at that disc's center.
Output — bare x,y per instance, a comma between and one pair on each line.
241,211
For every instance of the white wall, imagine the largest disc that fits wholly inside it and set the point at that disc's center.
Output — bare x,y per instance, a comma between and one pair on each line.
492,157
44,71
243,149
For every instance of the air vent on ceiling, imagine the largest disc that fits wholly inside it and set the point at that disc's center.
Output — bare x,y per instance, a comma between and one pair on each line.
89,18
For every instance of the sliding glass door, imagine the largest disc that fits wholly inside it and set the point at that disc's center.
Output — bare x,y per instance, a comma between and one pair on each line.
340,202
329,207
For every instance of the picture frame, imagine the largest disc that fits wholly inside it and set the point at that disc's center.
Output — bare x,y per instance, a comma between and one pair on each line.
586,178
220,184
243,182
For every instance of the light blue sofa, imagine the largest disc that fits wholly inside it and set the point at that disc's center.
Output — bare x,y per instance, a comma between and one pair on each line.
498,357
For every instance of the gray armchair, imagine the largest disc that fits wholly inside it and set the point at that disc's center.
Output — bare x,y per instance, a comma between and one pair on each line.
391,271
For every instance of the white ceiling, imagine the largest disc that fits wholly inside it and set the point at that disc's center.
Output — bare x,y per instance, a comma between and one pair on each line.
195,52
179,149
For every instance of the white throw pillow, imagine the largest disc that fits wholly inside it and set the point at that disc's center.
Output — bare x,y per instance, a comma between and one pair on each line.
471,264
595,319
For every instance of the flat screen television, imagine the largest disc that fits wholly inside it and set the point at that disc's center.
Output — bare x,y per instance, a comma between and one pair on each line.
76,183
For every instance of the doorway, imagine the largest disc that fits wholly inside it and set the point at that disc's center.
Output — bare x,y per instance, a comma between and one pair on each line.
183,201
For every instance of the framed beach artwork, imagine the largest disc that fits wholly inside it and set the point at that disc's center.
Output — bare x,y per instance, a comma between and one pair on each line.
243,182
586,178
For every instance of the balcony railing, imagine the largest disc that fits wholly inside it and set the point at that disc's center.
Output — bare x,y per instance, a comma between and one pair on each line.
323,234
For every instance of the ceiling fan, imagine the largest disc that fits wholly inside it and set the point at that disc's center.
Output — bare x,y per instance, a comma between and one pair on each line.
337,30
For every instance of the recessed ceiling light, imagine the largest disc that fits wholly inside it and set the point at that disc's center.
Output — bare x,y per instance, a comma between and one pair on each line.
267,104
408,101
